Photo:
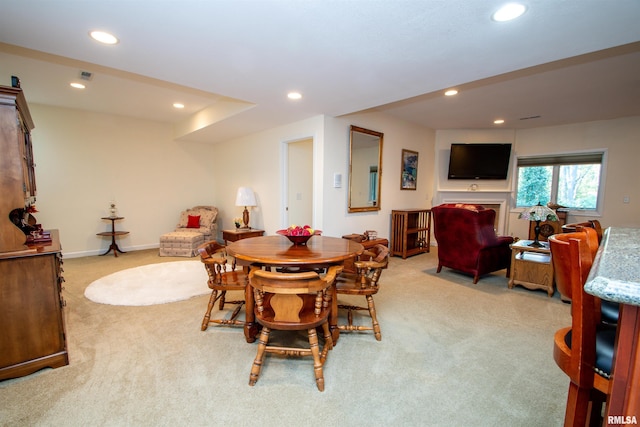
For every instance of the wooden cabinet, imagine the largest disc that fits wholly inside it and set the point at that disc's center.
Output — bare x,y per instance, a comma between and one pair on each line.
410,232
531,267
32,333
31,320
17,174
239,234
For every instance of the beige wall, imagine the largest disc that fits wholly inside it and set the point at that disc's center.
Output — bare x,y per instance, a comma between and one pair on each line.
620,137
84,160
262,169
397,135
257,161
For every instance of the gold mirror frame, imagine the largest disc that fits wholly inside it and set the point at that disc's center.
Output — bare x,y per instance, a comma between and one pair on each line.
365,169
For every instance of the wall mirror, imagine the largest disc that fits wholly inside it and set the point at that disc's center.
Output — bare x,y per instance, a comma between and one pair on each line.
365,169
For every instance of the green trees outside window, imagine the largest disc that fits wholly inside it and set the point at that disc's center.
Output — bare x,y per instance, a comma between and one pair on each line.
573,185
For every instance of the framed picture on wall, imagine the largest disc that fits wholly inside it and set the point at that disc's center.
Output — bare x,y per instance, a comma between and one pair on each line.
409,170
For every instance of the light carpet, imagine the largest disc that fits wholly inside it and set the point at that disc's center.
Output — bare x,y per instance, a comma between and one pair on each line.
150,284
452,354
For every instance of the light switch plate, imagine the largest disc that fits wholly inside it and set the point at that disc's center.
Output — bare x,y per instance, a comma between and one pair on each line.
337,180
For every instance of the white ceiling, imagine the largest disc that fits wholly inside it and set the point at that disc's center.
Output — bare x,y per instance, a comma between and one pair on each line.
232,62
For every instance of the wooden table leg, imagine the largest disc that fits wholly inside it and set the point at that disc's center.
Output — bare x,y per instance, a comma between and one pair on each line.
250,325
113,247
333,316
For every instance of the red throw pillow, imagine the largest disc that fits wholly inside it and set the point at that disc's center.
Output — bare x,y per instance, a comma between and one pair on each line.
194,221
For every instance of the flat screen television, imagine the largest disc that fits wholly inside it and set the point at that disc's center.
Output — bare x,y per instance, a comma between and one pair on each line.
479,161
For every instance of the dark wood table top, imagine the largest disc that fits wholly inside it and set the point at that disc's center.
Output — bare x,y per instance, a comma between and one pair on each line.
278,250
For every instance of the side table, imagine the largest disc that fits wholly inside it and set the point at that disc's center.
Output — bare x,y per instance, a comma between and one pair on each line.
113,233
531,266
240,233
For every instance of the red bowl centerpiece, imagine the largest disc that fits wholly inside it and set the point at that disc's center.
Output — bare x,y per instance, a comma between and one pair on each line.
299,235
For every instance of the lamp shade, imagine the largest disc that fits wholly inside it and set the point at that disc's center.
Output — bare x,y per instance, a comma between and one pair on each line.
245,197
538,213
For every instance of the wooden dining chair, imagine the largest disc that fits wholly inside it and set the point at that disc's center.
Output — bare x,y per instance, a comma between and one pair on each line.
364,282
583,351
293,302
609,310
591,223
224,275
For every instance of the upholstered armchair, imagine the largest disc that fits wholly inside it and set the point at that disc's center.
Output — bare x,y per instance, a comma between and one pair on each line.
196,226
199,219
467,240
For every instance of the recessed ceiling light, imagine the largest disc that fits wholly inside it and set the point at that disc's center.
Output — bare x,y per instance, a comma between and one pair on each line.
77,85
178,105
509,11
498,121
451,92
103,37
294,95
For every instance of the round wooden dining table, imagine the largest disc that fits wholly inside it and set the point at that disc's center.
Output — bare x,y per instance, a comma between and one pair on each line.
278,251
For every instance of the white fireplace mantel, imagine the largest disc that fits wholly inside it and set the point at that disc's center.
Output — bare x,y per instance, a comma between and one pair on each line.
480,197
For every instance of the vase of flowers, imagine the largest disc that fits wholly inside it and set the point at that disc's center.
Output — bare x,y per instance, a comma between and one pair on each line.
237,222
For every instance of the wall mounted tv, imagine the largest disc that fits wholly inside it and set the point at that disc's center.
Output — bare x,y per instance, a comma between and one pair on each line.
479,161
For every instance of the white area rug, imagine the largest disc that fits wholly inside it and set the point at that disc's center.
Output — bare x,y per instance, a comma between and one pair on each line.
150,284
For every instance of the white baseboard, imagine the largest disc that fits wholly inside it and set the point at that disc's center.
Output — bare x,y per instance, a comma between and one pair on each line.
96,252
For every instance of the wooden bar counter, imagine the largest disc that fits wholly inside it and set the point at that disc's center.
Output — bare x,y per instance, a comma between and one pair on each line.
615,276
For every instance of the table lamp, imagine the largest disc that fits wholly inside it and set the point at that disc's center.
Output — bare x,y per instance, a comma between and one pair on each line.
538,213
245,197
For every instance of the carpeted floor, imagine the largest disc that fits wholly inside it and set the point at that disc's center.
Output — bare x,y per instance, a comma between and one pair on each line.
452,354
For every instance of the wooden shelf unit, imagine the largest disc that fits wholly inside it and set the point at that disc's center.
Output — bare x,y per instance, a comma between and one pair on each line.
410,232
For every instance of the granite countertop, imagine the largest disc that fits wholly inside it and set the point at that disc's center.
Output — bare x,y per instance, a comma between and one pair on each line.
615,274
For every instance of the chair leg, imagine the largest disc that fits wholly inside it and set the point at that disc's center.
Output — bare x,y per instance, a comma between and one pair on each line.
577,406
374,318
328,342
207,314
317,363
257,363
223,294
598,400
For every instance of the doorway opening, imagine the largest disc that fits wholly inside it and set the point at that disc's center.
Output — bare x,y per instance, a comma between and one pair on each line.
298,182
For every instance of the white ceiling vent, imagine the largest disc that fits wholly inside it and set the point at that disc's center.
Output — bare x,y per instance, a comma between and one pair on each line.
86,75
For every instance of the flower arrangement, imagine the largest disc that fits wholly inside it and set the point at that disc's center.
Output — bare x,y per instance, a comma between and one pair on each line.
31,209
237,221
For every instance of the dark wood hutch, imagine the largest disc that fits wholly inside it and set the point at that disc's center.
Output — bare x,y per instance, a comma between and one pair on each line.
32,322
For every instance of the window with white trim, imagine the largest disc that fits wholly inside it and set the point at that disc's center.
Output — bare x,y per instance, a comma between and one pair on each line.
570,180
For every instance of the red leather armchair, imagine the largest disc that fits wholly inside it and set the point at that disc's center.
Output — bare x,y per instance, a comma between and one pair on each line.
467,240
